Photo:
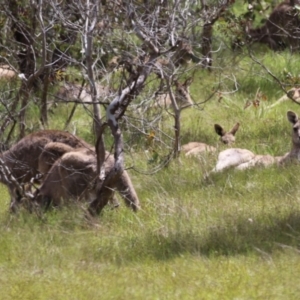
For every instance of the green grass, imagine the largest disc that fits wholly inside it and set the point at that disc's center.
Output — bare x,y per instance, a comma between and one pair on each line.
234,235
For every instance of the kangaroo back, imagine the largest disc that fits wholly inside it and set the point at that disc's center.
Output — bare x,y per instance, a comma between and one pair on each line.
22,158
74,175
54,150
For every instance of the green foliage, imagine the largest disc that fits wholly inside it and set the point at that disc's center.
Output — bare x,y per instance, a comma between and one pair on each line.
232,235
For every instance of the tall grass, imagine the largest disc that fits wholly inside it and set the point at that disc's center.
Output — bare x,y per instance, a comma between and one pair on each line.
233,235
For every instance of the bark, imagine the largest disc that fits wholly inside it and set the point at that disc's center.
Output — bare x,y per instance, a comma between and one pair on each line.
210,16
176,115
44,111
91,21
74,106
114,112
206,43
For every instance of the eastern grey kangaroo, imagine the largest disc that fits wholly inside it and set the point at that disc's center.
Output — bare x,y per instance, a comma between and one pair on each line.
74,175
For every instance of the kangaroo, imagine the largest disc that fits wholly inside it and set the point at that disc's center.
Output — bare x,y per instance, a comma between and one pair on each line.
74,175
6,72
73,92
293,93
54,150
22,162
281,29
163,100
183,96
294,154
242,159
226,137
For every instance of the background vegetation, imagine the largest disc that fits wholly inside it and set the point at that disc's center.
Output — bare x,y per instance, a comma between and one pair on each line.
233,235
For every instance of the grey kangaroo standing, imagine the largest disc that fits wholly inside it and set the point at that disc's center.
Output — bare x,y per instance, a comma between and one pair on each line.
294,154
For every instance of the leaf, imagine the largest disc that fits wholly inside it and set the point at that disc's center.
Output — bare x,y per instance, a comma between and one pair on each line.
256,103
59,75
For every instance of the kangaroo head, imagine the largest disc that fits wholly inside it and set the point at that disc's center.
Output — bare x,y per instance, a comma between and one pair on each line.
293,118
227,137
183,92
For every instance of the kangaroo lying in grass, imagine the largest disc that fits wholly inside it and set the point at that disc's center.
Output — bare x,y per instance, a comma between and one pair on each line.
74,175
6,72
183,96
293,155
293,93
74,92
226,137
163,100
243,159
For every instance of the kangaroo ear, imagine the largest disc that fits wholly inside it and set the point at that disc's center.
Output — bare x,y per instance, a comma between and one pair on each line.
235,128
219,130
292,117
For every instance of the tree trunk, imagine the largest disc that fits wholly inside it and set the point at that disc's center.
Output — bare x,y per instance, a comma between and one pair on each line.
114,112
177,113
44,111
206,43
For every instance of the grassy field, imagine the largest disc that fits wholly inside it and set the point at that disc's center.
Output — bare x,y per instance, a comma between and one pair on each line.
234,235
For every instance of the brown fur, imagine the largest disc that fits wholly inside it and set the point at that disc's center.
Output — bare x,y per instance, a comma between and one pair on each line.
182,96
259,161
242,159
293,93
281,30
74,176
294,154
226,137
22,158
194,148
6,72
55,150
74,92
